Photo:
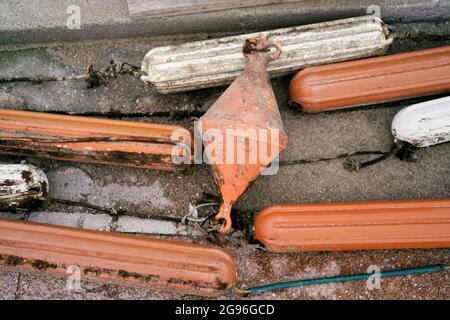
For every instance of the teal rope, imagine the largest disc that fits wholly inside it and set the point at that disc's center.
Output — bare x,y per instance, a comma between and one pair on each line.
354,277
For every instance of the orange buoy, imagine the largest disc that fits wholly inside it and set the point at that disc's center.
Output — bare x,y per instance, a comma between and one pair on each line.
242,125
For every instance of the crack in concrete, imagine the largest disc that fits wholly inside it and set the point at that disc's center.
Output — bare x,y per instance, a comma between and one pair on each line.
115,214
338,157
175,115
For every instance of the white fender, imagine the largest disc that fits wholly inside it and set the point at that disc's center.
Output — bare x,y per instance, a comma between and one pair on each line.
216,62
423,124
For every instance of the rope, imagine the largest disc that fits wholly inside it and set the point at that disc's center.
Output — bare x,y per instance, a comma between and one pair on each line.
352,165
345,278
200,223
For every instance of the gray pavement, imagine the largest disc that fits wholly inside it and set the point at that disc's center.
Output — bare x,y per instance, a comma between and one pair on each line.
34,22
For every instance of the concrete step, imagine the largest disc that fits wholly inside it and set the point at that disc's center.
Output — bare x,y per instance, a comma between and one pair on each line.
31,22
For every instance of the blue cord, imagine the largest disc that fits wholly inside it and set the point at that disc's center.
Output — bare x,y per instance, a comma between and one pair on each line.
354,277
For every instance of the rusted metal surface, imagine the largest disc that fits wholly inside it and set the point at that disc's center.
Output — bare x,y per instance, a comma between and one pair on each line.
20,185
218,62
93,140
375,80
355,226
247,115
423,124
192,268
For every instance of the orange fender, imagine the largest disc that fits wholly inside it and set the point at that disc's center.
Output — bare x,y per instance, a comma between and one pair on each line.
93,140
374,80
137,260
355,226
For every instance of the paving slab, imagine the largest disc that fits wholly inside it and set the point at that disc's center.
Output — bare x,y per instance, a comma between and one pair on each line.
13,216
155,227
98,222
73,220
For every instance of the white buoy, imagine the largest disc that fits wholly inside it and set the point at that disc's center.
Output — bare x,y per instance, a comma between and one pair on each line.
21,184
423,124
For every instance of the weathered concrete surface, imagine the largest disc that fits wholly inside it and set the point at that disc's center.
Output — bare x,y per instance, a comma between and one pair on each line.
40,286
108,223
8,281
28,22
139,193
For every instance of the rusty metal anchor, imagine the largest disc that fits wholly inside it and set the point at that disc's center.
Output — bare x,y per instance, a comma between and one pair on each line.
243,132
